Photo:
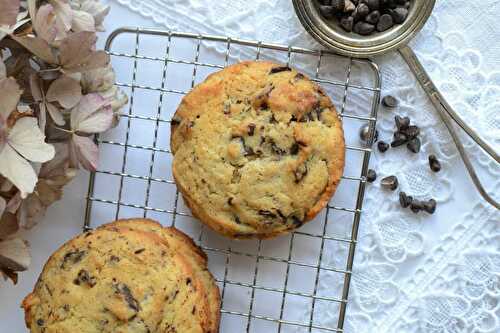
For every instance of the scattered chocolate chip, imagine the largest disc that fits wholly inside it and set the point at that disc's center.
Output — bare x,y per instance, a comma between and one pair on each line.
347,23
296,221
327,11
188,281
399,139
279,69
362,10
363,28
434,163
404,200
402,123
40,322
139,251
230,201
414,145
430,206
373,17
411,132
390,183
114,258
371,176
382,146
390,101
416,206
349,6
364,133
294,150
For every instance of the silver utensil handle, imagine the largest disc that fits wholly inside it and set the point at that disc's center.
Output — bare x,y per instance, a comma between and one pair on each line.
445,110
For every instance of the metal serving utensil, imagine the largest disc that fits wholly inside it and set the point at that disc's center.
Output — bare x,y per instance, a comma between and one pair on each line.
396,39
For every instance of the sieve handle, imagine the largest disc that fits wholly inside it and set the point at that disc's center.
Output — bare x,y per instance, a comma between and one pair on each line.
444,109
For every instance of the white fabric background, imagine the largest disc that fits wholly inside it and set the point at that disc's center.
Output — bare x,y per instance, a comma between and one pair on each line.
437,273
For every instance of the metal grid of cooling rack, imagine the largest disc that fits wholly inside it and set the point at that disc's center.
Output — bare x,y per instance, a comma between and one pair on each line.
226,248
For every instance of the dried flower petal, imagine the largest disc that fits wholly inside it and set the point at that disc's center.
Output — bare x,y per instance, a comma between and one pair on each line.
11,92
17,170
64,15
97,80
92,115
8,225
3,70
45,23
27,139
14,255
66,91
55,114
95,8
82,21
8,12
38,47
78,55
85,151
2,206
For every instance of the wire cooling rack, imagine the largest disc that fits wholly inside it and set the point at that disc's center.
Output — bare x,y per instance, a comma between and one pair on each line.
294,283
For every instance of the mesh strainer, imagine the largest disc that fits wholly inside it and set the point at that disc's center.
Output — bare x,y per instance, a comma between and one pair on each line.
396,39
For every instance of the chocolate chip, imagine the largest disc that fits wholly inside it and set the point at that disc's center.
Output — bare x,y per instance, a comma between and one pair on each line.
390,183
373,4
296,221
385,22
416,206
280,69
390,101
251,129
399,139
124,291
414,145
349,6
230,201
402,123
298,77
327,11
434,163
430,206
188,281
382,146
399,15
72,257
404,200
373,17
139,251
362,10
267,214
40,322
347,23
371,176
294,150
84,277
411,132
175,121
300,173
364,28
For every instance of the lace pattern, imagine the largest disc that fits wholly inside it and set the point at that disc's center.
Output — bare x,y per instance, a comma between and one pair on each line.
408,276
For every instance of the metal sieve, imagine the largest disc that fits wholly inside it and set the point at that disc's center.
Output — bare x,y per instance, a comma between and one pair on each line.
396,39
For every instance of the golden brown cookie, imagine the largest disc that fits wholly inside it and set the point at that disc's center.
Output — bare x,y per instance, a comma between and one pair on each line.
258,150
124,278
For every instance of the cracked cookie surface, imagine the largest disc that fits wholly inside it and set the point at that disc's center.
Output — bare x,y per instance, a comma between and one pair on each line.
126,276
258,150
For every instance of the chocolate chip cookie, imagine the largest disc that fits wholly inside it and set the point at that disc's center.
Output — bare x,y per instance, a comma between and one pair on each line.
127,276
258,150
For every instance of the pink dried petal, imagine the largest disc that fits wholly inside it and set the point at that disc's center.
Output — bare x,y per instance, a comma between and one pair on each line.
8,12
86,151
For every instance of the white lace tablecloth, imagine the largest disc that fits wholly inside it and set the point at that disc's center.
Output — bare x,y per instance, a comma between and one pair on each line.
413,273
